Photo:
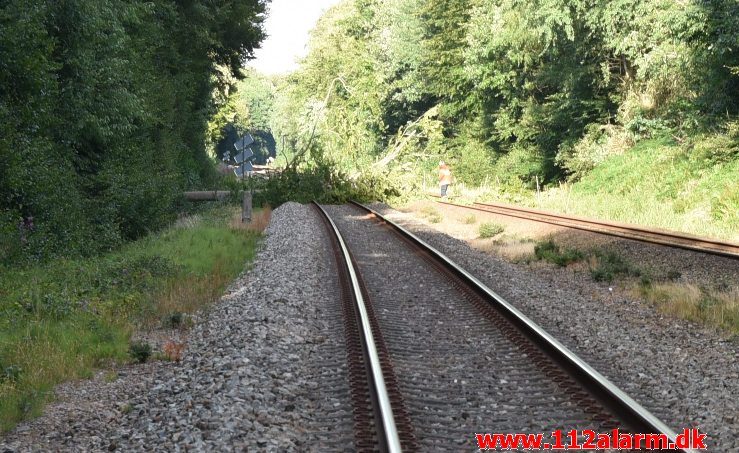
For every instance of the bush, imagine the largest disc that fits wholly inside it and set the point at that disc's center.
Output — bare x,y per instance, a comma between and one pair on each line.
10,373
549,251
598,143
520,167
489,229
611,265
140,351
173,320
470,220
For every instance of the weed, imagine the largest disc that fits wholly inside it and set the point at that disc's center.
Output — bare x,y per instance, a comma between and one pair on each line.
609,265
549,251
140,351
714,308
435,218
173,350
673,275
470,219
110,376
10,373
431,214
173,320
489,229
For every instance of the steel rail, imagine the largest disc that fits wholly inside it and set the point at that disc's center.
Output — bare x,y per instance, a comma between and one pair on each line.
623,230
631,412
390,431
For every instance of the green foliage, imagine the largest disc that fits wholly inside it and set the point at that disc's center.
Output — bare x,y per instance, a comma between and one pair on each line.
61,319
140,351
10,373
470,219
550,251
689,186
509,92
103,115
611,265
173,320
489,229
596,146
247,107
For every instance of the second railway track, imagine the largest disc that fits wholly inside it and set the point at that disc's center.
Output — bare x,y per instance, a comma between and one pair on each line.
623,230
458,361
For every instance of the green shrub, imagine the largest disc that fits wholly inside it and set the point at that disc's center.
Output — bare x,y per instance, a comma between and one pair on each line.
549,251
173,320
10,373
431,214
470,220
489,229
140,351
520,167
610,265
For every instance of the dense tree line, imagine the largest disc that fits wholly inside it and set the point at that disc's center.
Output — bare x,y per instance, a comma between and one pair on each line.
104,106
513,90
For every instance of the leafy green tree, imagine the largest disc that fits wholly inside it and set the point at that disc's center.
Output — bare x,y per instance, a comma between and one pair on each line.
104,112
517,92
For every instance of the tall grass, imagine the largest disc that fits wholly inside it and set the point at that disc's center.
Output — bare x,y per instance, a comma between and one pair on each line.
715,308
61,320
657,183
692,186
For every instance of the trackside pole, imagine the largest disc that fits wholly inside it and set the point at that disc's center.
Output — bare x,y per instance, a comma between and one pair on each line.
246,207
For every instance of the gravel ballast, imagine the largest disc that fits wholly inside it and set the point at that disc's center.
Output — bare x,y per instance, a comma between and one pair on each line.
685,374
263,370
459,372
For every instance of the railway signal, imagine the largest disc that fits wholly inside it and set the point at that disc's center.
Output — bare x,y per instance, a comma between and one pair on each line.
243,142
242,170
244,156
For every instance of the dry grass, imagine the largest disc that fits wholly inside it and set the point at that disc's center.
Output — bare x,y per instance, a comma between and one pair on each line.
190,221
469,220
711,307
512,248
431,214
259,220
173,350
190,294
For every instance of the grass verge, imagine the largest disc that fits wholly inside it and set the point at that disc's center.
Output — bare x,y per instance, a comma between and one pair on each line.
710,307
61,320
691,187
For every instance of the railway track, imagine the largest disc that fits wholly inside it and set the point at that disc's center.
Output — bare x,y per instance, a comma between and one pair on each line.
436,356
623,230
